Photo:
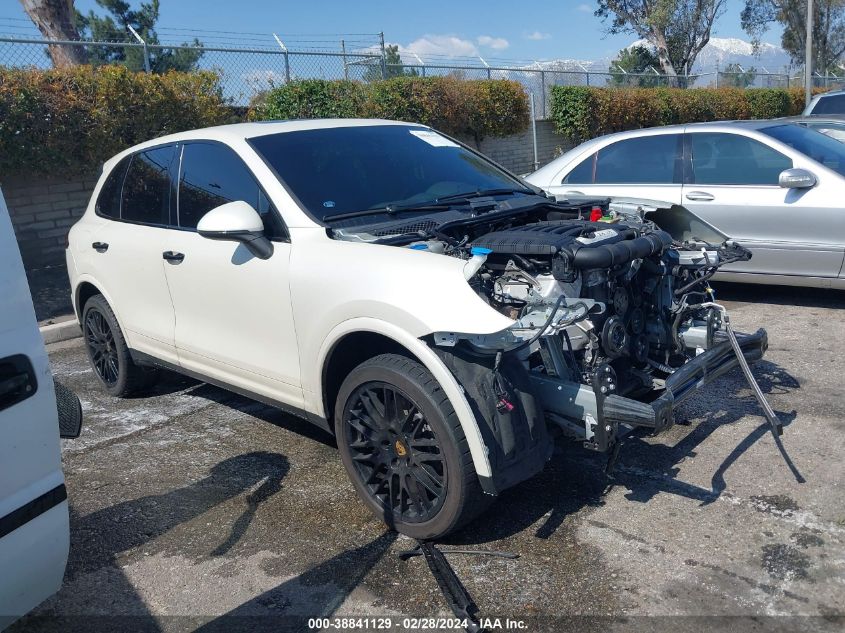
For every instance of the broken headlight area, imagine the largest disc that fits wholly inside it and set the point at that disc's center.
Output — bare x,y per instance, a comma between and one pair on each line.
614,321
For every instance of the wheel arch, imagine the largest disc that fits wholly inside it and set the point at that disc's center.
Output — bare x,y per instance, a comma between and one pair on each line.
366,338
86,287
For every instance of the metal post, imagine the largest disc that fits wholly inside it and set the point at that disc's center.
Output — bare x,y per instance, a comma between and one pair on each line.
383,56
808,56
146,52
486,65
420,61
345,67
285,54
534,130
543,90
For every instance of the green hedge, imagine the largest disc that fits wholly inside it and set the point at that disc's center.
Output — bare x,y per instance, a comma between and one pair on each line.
71,120
467,108
581,113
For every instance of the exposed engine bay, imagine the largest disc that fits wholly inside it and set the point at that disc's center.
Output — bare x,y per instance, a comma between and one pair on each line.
614,319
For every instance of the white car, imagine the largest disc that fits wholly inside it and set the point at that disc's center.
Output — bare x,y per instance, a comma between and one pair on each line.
34,531
775,186
399,290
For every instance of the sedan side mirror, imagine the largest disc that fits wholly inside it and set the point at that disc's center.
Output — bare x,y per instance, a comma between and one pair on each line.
797,179
237,222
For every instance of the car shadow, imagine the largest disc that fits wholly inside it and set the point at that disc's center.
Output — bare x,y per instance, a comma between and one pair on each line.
575,477
100,539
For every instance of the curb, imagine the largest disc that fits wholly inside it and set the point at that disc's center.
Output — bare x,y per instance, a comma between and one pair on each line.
64,331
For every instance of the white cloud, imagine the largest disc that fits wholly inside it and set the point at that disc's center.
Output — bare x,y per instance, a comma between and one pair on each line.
447,45
584,8
537,35
496,43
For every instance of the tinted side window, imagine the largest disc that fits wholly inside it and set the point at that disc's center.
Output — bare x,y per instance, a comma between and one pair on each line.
730,159
213,174
644,160
834,104
146,189
108,202
583,173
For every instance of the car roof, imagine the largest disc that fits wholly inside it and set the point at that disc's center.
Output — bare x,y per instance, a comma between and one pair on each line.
237,132
818,118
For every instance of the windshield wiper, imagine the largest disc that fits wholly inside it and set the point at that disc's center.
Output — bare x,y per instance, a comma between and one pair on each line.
480,193
389,209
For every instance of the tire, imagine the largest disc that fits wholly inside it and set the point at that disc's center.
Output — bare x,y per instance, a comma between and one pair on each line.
109,353
404,449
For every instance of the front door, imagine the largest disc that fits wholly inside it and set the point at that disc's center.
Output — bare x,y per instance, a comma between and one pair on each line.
234,321
734,187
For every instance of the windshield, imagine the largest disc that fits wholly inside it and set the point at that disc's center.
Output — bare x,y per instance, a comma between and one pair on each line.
335,171
822,149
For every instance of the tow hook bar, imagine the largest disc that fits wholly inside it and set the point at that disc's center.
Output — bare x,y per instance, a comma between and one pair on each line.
460,601
774,422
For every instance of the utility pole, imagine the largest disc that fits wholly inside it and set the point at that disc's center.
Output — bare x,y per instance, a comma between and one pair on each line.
808,56
383,56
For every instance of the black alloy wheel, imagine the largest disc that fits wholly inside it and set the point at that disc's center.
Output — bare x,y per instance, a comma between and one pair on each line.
395,452
100,340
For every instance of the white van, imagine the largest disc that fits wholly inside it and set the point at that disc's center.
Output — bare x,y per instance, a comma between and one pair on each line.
34,533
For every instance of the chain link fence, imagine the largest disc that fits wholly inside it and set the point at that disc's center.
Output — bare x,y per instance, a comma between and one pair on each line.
247,71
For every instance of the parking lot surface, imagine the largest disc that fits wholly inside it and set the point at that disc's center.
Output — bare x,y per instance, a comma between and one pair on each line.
196,508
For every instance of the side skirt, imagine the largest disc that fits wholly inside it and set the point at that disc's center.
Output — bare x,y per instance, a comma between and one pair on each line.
141,358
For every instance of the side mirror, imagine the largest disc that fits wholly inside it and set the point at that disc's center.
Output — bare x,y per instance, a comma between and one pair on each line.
70,411
237,222
797,179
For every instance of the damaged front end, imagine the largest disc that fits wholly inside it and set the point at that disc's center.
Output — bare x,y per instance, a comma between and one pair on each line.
614,325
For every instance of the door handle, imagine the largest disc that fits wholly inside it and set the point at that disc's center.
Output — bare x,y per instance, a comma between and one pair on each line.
173,257
700,196
17,380
100,247
574,193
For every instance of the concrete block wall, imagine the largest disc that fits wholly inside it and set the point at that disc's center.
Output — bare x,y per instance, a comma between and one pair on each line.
43,210
516,152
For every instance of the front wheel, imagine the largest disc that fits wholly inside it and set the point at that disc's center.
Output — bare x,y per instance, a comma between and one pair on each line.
404,449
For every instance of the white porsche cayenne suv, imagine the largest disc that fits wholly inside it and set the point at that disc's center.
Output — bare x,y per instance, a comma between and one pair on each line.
403,292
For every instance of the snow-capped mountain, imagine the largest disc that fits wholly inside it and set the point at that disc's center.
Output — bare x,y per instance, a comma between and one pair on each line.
719,52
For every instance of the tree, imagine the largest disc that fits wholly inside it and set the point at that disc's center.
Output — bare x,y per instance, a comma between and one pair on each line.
393,66
828,28
115,28
636,60
55,20
677,29
736,76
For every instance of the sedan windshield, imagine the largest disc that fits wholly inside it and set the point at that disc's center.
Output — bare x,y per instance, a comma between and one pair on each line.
383,168
821,148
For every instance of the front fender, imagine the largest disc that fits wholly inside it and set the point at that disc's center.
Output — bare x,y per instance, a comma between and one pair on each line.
425,355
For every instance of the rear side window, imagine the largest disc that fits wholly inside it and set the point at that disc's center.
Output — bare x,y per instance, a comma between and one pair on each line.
835,104
108,202
212,174
644,160
147,187
731,159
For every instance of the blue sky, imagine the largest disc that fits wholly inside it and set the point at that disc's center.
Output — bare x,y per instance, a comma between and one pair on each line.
496,29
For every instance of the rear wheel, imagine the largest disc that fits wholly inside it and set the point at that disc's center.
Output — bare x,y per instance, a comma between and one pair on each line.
109,353
404,449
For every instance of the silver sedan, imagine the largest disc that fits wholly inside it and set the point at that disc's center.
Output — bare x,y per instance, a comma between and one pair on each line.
776,187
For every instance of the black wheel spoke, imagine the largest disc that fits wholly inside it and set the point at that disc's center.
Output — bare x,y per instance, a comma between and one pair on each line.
101,346
395,452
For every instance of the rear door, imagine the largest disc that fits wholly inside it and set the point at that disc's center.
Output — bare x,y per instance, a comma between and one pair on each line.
34,532
648,166
734,187
135,204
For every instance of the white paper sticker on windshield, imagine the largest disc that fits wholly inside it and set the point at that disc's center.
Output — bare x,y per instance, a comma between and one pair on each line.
433,138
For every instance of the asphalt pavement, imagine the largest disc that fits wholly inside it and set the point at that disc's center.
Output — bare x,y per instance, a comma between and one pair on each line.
193,508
